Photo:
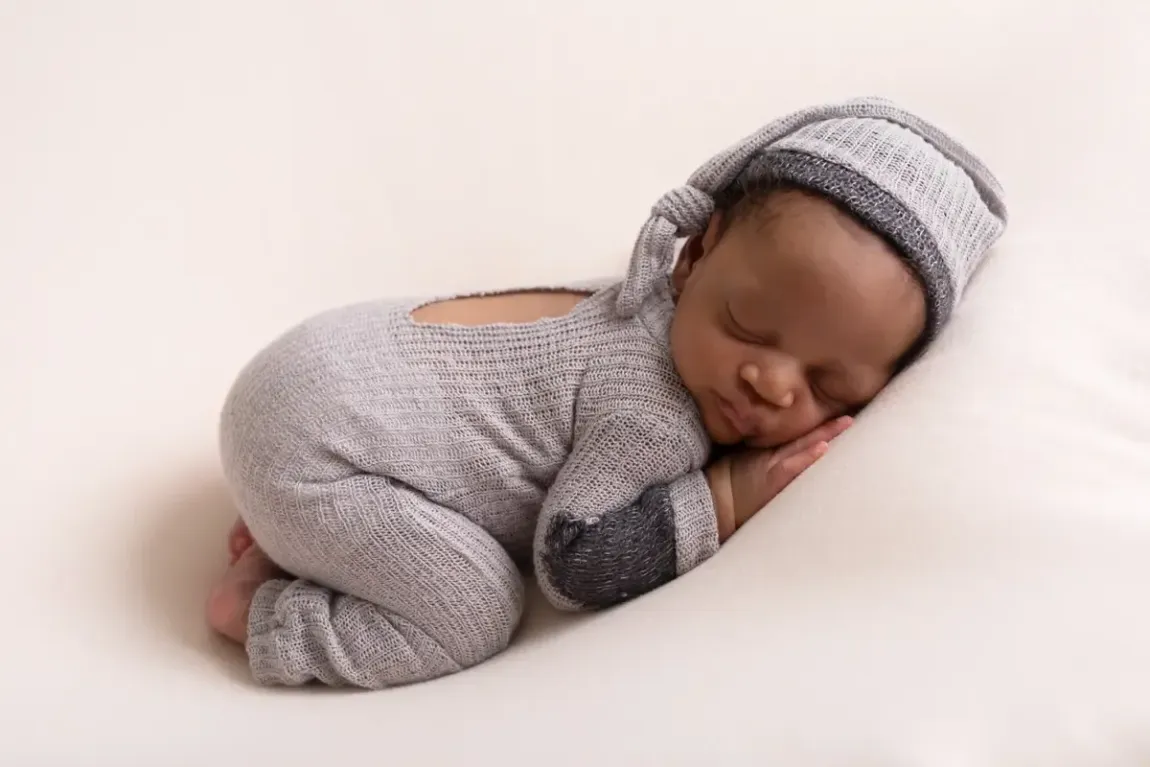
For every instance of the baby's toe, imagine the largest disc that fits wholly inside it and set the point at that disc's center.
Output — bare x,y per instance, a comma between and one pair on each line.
239,540
224,610
230,600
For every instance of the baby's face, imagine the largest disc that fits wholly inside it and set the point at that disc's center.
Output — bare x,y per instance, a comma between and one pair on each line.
789,316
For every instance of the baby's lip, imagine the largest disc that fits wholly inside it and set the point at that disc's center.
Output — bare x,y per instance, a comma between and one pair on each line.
743,421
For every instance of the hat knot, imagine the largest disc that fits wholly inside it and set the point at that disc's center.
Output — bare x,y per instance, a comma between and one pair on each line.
686,207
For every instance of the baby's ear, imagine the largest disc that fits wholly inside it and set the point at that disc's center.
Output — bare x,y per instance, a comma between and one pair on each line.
695,250
689,256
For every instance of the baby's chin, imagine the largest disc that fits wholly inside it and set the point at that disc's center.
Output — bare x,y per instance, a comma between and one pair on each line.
724,440
719,432
764,443
722,437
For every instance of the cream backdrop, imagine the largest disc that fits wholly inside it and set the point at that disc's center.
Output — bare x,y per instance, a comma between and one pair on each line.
963,582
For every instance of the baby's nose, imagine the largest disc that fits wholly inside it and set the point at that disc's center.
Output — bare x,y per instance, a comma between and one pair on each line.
771,385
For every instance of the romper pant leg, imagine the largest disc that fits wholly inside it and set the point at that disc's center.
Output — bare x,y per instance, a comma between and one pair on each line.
391,587
387,587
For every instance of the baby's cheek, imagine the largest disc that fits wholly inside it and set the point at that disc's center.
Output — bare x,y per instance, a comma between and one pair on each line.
723,355
695,356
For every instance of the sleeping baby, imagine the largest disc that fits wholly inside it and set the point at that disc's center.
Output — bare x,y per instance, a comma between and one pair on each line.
399,465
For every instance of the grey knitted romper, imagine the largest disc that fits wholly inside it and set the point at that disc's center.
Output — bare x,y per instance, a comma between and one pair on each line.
403,473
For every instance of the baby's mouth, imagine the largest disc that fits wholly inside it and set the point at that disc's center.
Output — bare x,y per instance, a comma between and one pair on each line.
739,421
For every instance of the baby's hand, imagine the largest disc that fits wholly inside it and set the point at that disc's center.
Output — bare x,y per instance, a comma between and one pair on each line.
745,482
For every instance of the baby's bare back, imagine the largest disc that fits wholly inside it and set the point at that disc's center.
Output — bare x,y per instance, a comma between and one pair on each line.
517,308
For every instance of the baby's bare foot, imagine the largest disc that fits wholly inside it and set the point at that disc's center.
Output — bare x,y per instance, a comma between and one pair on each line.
239,539
231,598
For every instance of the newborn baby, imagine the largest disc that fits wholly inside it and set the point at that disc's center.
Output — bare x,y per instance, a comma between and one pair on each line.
398,464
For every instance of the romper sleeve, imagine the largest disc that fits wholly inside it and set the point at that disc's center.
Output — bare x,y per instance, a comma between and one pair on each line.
629,511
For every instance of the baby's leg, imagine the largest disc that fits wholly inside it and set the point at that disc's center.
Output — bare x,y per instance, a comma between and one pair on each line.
386,587
391,587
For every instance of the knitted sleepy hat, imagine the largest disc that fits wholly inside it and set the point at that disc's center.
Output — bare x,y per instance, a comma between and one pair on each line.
901,176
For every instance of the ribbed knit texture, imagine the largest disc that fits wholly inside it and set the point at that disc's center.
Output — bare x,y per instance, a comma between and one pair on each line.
905,178
404,472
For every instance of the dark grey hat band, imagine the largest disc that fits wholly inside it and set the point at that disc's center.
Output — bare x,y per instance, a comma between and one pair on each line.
876,209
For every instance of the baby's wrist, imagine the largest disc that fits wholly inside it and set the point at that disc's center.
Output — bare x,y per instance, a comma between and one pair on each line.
719,479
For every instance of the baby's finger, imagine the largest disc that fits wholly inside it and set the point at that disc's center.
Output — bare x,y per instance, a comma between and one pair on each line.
787,470
832,429
824,433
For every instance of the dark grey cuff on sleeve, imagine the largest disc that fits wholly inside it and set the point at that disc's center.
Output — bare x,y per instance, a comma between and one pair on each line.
603,561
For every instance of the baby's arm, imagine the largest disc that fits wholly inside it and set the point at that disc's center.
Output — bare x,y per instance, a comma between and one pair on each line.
630,510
